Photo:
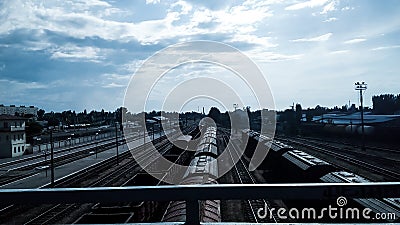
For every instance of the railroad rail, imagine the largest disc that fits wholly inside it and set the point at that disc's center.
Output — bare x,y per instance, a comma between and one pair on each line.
55,212
132,167
243,176
375,148
325,191
343,155
27,170
64,149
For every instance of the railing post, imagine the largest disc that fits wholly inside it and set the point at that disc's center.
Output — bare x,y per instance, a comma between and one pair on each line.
192,212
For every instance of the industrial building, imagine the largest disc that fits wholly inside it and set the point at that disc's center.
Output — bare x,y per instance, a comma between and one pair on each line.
12,136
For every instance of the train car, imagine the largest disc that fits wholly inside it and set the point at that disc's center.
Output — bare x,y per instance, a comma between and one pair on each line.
209,209
180,144
203,169
274,156
382,206
249,142
299,166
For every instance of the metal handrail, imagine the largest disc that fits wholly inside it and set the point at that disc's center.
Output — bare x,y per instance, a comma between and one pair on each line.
193,193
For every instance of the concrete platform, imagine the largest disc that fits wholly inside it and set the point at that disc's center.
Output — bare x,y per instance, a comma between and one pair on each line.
40,178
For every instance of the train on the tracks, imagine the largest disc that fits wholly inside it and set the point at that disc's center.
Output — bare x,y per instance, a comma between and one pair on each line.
285,164
203,169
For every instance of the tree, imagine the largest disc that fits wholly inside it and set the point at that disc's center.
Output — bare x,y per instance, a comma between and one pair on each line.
215,114
299,114
33,129
40,114
386,104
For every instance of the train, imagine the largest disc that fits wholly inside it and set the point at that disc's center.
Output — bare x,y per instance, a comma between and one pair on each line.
203,169
285,164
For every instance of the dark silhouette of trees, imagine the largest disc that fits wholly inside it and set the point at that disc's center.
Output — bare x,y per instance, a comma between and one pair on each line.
215,114
32,129
40,114
386,104
299,114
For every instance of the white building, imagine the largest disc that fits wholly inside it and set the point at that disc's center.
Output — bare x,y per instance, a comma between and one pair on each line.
21,110
12,136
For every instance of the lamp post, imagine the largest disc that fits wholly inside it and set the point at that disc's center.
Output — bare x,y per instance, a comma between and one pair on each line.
72,138
235,106
96,143
52,158
361,87
116,138
38,139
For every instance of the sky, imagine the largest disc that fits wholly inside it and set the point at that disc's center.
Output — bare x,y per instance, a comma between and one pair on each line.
60,55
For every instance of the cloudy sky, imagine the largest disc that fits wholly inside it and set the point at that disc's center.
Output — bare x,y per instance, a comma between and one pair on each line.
61,55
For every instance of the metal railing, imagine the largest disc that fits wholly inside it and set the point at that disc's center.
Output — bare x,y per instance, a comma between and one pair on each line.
192,194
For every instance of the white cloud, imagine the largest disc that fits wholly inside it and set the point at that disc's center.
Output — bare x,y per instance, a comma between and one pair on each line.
268,56
332,19
185,7
115,77
90,3
347,8
354,41
152,1
114,85
13,85
339,52
324,37
77,53
329,7
253,39
386,47
307,4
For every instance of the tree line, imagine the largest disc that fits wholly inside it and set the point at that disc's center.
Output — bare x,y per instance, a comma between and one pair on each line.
386,104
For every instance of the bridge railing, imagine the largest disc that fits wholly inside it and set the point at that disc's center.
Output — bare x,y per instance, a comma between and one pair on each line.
192,194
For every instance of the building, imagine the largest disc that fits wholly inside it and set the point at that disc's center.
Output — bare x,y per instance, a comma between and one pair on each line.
12,136
21,110
355,118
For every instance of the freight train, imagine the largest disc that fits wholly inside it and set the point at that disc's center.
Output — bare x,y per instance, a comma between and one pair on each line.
203,169
283,163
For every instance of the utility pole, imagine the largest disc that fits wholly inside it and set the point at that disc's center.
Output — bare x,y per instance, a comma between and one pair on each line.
96,143
52,158
235,106
361,87
116,138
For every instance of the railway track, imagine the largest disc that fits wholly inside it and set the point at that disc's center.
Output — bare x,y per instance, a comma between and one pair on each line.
23,171
243,176
385,154
354,159
65,149
342,142
56,212
114,178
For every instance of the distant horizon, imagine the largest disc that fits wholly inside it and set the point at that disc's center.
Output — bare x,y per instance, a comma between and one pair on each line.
83,54
158,110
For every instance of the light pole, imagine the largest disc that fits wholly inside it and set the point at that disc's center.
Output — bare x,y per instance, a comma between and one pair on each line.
96,143
235,106
72,139
361,87
116,138
52,158
38,139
